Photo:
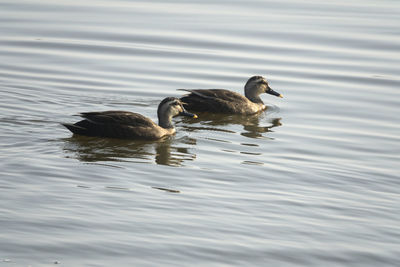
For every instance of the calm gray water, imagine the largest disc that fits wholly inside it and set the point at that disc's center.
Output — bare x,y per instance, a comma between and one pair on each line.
313,181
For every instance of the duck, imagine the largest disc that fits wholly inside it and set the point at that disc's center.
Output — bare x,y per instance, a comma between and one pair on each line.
226,101
130,125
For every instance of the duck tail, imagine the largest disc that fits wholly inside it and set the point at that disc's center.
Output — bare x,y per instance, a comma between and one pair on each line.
74,128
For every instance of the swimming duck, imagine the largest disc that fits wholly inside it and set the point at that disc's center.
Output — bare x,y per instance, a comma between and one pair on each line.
129,125
225,101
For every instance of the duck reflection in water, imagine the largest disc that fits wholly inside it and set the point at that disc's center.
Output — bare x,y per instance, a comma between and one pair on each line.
166,151
254,130
252,124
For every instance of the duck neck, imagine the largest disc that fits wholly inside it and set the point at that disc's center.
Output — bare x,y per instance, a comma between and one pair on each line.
253,97
165,121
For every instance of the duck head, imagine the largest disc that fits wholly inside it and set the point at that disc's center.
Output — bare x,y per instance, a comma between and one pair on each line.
171,107
257,85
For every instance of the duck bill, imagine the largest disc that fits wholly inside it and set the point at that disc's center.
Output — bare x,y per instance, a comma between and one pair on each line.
272,92
188,114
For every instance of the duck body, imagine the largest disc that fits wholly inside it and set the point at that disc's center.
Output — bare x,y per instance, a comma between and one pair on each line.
118,124
226,101
220,101
129,125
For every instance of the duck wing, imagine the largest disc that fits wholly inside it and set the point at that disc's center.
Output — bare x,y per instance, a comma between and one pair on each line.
214,100
222,94
115,124
117,117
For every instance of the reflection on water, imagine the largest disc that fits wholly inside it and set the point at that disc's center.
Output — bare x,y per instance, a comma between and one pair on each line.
172,155
252,124
94,149
254,130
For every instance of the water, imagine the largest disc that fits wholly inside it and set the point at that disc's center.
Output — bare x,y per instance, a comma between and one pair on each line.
313,181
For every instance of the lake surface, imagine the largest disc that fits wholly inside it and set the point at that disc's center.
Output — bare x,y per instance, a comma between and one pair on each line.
313,181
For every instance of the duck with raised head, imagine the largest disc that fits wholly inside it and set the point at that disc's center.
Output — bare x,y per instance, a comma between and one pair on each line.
129,125
226,101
